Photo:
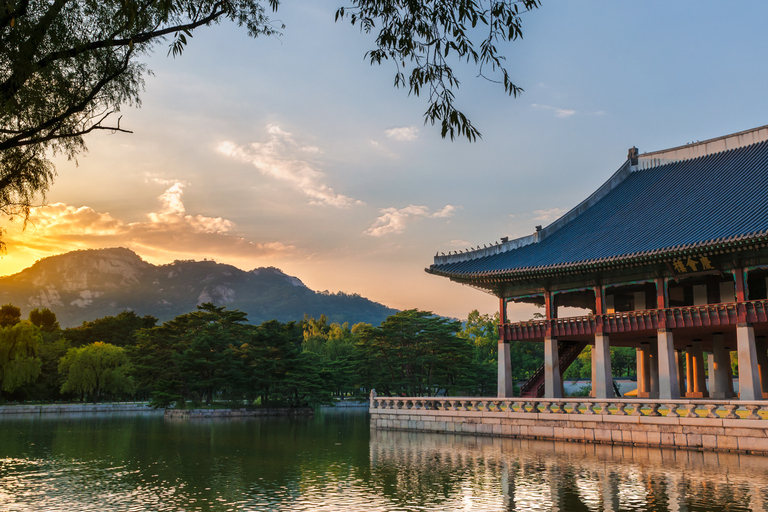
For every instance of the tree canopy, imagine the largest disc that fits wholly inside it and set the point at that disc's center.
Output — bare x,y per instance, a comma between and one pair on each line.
68,66
96,368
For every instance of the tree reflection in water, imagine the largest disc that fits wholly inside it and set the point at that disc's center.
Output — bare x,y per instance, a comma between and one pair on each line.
335,462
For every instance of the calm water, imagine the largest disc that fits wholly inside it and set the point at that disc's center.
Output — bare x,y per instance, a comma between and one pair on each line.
334,462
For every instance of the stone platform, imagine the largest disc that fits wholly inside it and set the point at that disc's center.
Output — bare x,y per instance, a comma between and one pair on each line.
709,425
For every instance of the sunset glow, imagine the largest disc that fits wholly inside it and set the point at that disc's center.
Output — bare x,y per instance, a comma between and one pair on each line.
294,152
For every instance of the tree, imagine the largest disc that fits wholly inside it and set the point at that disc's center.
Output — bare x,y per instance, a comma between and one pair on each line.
95,369
117,330
9,315
19,363
334,346
191,357
45,319
68,66
482,332
415,353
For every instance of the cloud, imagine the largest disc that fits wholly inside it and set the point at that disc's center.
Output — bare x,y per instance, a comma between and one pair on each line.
403,133
394,221
548,215
559,112
281,158
567,112
167,234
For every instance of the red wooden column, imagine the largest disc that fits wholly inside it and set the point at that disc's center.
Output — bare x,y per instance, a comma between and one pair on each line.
502,310
661,294
549,305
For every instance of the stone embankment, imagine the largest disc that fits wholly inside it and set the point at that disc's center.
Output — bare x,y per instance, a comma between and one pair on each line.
73,408
707,425
238,413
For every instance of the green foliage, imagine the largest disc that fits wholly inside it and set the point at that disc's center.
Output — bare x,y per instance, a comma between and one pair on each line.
116,330
420,39
623,363
95,369
19,361
9,315
45,319
50,351
191,357
335,350
415,353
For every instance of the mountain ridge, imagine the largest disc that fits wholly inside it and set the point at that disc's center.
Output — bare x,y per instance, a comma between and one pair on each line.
91,283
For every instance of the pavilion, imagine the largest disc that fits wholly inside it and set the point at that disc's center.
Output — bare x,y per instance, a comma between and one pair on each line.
668,256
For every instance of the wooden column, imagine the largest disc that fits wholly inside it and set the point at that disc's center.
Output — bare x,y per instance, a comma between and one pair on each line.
549,305
741,288
699,379
599,300
661,294
643,371
688,373
502,310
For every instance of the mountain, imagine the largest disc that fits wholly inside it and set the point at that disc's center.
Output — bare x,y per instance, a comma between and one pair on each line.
90,284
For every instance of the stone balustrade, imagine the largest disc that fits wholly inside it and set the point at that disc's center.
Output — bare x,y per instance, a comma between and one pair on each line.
727,409
719,425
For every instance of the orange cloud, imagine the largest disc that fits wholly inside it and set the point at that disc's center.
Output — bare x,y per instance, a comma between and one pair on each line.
168,234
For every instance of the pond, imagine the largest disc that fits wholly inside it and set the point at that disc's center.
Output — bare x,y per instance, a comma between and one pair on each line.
333,461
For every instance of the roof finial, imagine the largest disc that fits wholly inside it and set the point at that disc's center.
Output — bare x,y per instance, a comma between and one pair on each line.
632,155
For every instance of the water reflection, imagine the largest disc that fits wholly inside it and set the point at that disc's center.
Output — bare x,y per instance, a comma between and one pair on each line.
334,462
483,473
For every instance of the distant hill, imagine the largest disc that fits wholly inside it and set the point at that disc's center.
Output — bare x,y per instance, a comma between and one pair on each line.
90,284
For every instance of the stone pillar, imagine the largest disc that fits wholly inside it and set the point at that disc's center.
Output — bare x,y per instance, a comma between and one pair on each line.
720,370
762,364
711,373
505,386
643,371
594,373
653,354
669,384
699,380
749,377
603,379
553,383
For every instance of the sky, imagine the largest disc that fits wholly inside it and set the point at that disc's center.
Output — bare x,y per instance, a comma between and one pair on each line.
294,152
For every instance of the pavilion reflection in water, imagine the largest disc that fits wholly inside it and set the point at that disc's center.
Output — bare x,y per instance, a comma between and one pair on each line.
491,473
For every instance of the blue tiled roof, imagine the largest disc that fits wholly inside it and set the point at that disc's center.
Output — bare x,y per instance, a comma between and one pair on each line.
695,202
